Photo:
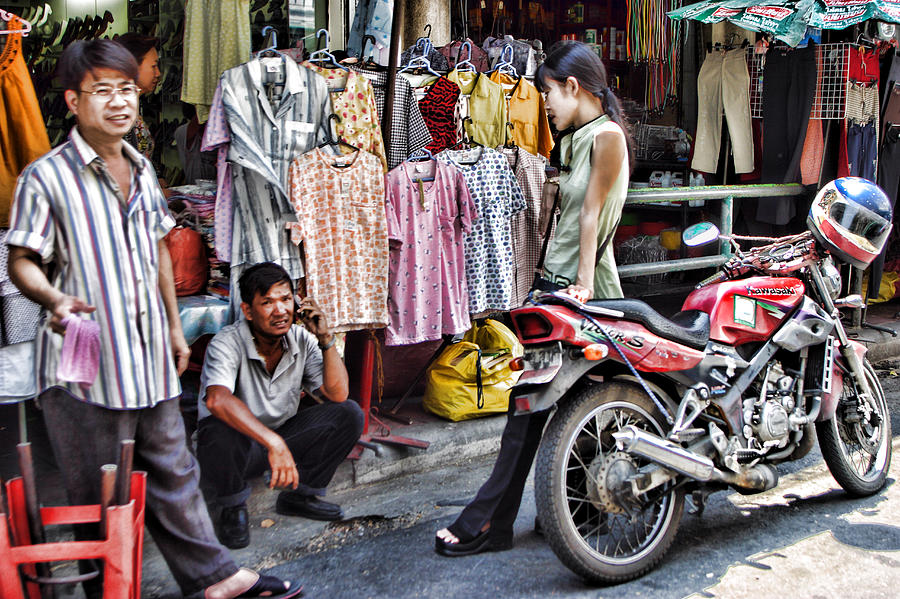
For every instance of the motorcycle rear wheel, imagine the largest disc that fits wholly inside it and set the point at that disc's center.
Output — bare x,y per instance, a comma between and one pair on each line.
601,546
858,454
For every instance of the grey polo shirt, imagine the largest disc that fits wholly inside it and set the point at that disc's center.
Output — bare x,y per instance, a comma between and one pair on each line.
233,362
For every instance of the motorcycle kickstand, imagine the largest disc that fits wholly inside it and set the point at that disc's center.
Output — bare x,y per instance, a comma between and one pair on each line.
699,498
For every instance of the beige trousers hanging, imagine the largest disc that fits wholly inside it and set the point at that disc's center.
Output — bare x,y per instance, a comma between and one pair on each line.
723,83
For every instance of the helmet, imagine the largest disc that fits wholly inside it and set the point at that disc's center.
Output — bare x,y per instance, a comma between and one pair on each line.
851,217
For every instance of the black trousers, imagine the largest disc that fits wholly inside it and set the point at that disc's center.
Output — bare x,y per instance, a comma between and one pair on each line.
499,498
788,95
319,437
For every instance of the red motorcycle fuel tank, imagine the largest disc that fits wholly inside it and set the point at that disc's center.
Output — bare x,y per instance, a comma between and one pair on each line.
746,310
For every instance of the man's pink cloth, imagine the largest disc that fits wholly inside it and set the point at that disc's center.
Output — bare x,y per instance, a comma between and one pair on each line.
80,358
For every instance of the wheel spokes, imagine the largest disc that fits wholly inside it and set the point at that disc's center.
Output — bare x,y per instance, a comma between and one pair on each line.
614,535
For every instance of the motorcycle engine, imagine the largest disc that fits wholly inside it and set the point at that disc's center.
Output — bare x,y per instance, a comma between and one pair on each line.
766,416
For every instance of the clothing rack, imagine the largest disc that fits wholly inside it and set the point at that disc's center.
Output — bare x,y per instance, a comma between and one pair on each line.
833,66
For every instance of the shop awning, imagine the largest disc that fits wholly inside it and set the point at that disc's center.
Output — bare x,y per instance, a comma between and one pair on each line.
788,20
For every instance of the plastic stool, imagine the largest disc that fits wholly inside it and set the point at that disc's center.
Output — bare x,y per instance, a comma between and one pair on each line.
121,551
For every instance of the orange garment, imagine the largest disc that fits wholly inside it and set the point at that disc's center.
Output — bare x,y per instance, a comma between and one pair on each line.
23,136
813,152
530,128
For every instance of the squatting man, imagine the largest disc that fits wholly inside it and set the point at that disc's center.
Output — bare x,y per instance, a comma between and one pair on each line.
254,415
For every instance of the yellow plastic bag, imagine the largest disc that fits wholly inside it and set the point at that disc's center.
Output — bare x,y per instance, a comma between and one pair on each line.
470,380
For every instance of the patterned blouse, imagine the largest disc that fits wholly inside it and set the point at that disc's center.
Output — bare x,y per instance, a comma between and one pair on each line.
353,100
437,108
339,202
427,223
490,263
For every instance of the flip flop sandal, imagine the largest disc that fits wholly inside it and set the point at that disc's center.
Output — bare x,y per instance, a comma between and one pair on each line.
271,587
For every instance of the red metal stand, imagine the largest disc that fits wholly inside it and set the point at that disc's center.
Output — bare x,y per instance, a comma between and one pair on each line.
365,402
120,551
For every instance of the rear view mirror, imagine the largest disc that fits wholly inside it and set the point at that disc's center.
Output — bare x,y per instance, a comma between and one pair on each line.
700,234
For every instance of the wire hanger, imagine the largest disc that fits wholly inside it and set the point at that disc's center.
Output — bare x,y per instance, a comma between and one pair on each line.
370,61
465,65
337,142
419,62
270,34
505,65
420,155
325,55
8,16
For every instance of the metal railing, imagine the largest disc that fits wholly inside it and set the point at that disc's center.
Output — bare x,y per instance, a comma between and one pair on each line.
725,193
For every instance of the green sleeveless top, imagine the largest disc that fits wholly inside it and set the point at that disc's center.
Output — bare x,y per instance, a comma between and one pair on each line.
561,263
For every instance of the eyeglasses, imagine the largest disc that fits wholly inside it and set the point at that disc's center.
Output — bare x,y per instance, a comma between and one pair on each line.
106,93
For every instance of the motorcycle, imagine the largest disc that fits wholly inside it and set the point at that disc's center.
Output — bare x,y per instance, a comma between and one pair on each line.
649,409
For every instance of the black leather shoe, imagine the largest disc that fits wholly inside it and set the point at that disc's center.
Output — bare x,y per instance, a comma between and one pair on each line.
234,527
307,506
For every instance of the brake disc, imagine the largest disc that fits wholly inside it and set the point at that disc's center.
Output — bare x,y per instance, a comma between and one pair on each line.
612,490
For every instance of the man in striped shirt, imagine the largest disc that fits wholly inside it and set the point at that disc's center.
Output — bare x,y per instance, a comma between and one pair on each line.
91,213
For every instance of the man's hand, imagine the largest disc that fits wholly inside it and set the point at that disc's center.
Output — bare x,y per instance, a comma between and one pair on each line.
181,351
65,306
312,318
284,471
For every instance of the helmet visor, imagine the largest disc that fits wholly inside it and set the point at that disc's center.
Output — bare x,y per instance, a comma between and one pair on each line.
868,229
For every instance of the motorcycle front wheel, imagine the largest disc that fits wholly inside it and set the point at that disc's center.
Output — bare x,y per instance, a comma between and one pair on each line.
856,441
592,521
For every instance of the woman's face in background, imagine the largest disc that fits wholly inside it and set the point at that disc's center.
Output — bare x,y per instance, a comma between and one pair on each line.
148,72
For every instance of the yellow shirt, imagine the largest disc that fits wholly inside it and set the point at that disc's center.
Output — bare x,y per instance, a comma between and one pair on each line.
483,102
526,115
216,38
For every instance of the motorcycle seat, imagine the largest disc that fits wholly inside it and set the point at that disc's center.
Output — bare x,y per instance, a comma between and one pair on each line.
690,327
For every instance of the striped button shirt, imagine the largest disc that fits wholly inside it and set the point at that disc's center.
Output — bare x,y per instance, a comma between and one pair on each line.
263,137
68,209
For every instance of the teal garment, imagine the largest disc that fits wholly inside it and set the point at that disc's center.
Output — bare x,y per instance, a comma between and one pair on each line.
561,264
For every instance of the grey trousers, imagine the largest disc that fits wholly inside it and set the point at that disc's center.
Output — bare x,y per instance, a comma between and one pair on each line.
85,436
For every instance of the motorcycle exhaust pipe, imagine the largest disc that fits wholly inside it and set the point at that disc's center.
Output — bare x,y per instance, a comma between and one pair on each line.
664,452
761,477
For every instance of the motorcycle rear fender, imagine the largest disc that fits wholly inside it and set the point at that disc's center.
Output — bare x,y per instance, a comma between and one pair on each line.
536,398
646,351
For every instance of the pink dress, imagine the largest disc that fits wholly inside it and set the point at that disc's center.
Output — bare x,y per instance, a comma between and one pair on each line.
427,224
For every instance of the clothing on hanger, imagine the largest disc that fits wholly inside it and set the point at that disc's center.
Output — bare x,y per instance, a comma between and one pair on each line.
788,96
262,139
482,108
437,60
220,24
427,223
857,154
372,17
408,129
526,114
353,101
527,235
23,136
723,84
488,247
479,58
339,205
438,107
